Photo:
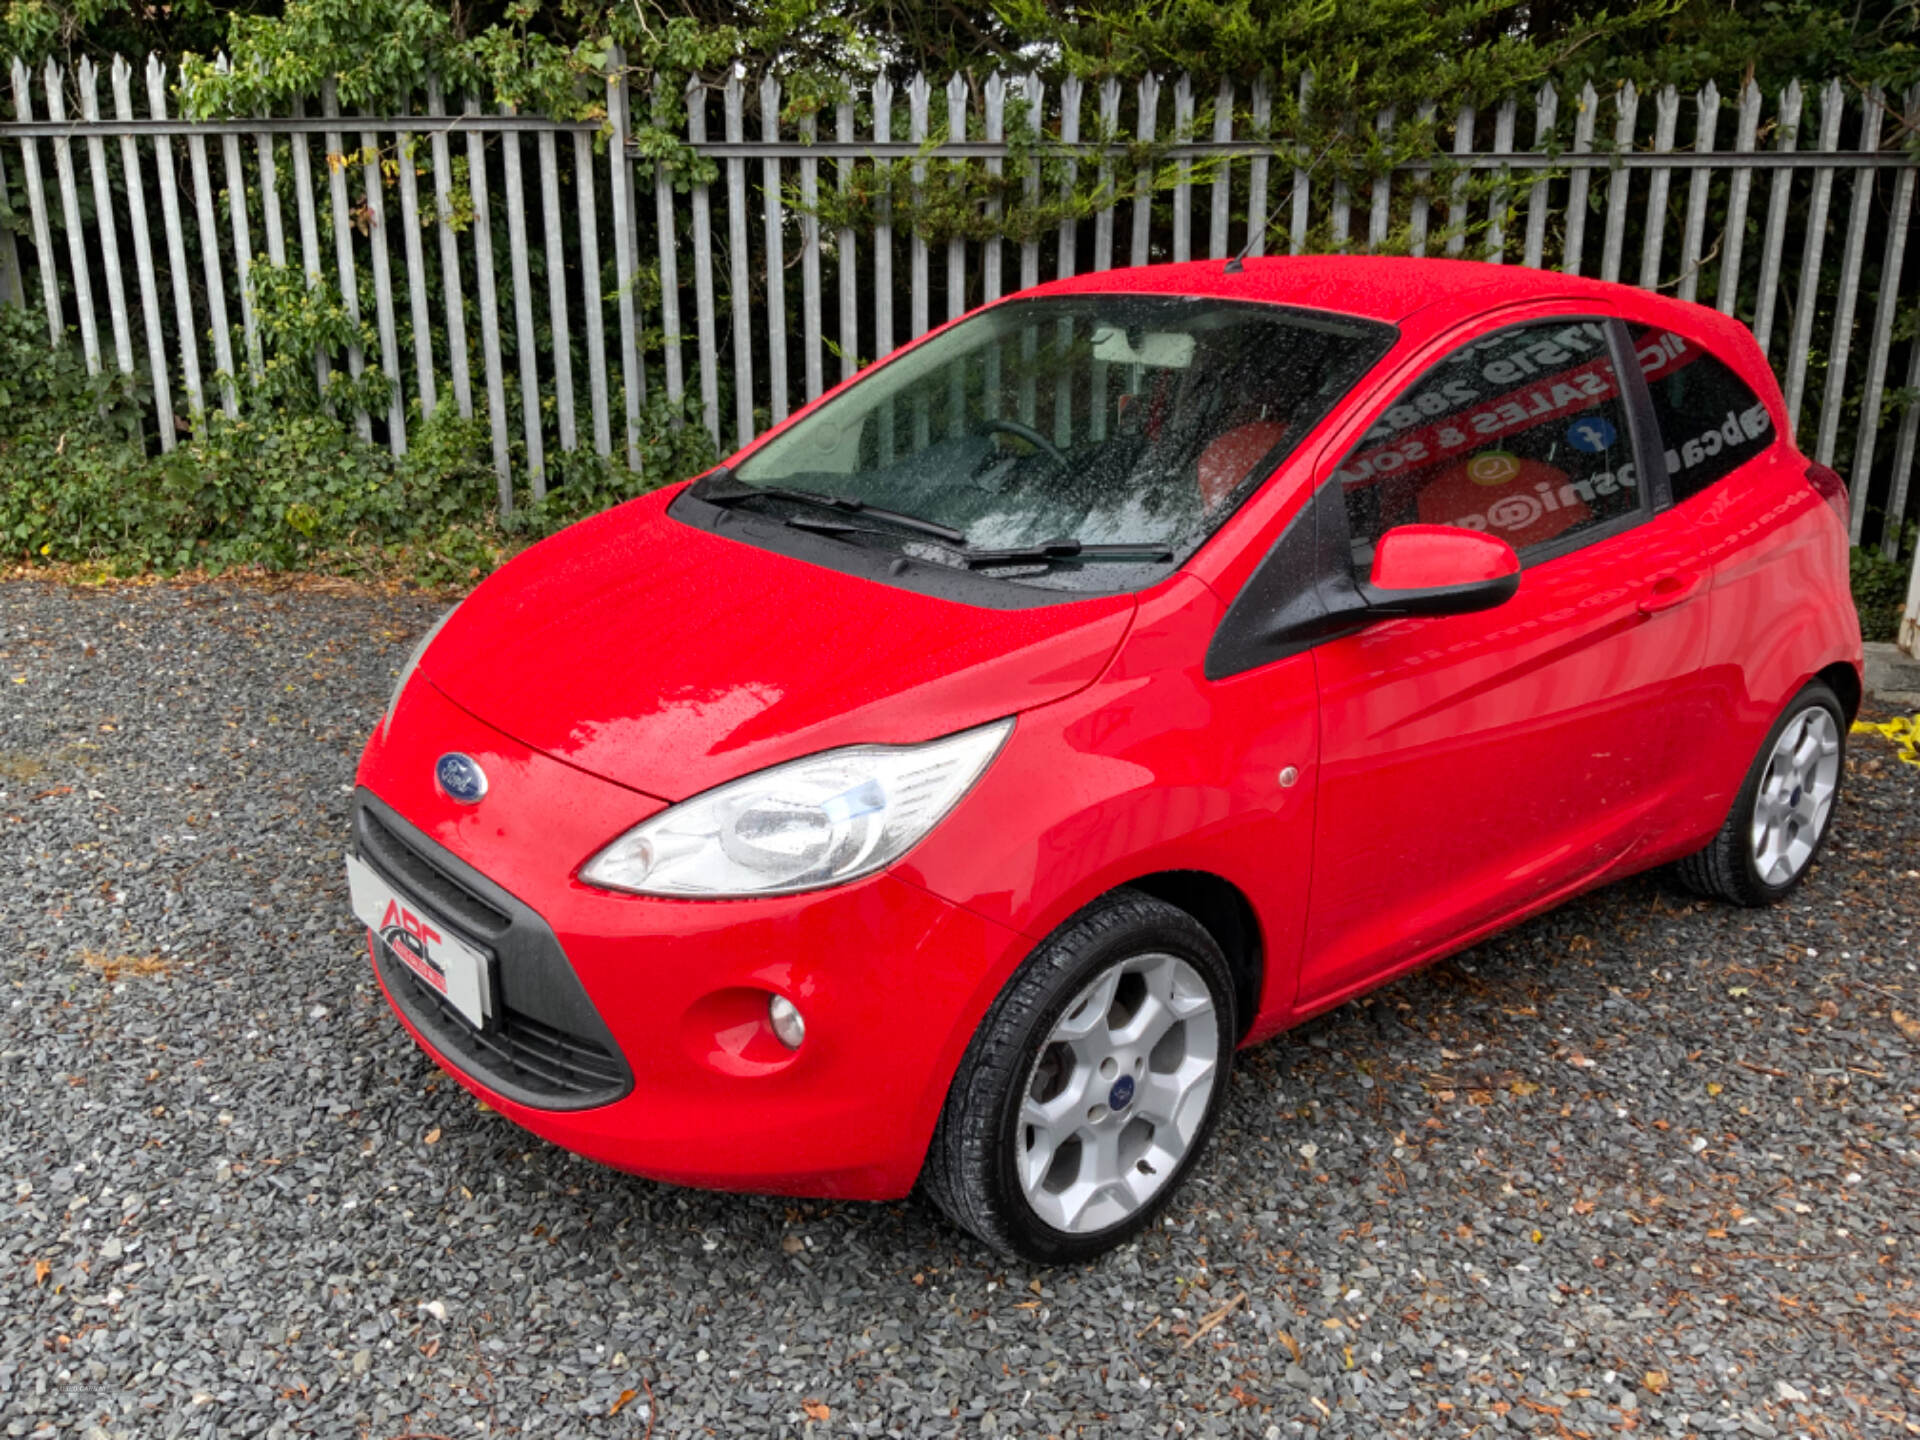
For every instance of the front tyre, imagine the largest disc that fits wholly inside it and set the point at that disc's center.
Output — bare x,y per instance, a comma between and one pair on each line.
1091,1087
1784,809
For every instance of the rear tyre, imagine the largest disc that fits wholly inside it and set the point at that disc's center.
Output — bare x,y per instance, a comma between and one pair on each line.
1781,817
1091,1087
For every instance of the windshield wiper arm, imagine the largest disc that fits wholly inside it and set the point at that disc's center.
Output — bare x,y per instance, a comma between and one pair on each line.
974,559
1052,550
722,489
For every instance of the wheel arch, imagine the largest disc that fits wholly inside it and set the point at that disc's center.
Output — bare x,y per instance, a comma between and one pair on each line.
1223,910
1844,680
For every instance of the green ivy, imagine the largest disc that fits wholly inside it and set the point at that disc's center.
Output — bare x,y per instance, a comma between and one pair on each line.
1879,592
285,485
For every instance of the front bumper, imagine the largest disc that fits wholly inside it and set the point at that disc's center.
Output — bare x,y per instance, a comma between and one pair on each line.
633,1030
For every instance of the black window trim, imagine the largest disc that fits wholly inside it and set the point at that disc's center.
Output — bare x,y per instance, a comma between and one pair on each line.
1308,575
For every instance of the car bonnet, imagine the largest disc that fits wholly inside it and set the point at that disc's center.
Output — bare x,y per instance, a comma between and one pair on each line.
670,660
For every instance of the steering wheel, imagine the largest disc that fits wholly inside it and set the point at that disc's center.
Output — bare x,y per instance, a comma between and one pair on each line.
1032,436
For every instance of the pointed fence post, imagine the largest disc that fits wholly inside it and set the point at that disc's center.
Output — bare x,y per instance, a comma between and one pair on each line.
1503,119
626,247
488,301
525,345
375,182
1788,117
455,300
1256,241
104,206
1546,106
1580,182
157,367
667,247
242,235
1619,182
810,264
776,254
917,93
1419,214
1739,190
1069,235
342,211
1221,211
414,247
696,94
734,95
1109,132
593,293
1833,106
1457,203
1297,236
1149,92
848,252
1839,349
37,206
883,250
1666,114
956,245
186,328
63,170
1183,168
554,236
1380,218
1707,111
1892,259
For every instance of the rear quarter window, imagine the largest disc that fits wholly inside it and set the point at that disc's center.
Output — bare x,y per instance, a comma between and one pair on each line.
1710,420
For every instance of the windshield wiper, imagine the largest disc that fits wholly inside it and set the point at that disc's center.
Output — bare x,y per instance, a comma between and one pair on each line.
723,490
1052,550
974,559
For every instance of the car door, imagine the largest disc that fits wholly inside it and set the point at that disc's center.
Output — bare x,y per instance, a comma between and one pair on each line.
1473,766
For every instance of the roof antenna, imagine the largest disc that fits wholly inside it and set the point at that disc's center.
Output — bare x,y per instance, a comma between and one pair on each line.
1239,262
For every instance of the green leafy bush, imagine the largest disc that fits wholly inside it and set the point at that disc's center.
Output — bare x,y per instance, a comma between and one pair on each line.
1879,593
284,485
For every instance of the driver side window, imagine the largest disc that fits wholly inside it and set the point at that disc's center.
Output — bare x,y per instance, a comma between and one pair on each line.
1522,433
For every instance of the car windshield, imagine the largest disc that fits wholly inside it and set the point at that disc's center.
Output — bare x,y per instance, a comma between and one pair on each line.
1131,422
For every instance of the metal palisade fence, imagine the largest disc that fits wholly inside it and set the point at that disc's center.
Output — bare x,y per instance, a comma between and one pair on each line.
546,274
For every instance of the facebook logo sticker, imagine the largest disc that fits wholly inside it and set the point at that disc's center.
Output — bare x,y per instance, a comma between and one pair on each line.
1591,435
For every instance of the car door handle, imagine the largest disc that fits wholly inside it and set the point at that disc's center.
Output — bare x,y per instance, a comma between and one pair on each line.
1669,591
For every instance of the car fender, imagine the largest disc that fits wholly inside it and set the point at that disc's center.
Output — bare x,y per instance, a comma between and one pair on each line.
1108,786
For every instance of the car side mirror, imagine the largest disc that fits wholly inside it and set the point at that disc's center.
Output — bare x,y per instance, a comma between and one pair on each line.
1439,570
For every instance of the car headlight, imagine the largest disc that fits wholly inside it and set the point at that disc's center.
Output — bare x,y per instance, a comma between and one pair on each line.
413,664
809,823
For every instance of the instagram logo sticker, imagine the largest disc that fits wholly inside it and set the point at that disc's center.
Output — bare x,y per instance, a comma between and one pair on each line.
1514,512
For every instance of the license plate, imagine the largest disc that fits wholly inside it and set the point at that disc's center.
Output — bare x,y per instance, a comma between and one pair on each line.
448,965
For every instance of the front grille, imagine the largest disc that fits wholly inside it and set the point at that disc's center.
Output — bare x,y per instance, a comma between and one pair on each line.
547,1061
415,870
547,1046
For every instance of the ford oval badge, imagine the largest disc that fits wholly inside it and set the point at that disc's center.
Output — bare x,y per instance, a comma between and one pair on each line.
461,777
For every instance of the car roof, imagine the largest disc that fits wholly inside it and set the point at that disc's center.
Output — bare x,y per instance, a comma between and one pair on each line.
1420,296
1378,287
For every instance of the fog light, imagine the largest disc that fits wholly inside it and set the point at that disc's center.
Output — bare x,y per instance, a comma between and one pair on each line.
786,1021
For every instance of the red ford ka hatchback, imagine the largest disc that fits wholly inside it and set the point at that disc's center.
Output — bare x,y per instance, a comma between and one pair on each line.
944,788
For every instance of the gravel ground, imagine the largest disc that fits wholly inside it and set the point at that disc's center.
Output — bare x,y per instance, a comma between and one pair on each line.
1641,1165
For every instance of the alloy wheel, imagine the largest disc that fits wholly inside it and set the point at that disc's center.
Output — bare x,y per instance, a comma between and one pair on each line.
1796,795
1117,1094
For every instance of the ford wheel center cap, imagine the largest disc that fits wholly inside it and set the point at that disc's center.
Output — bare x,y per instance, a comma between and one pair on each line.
461,777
